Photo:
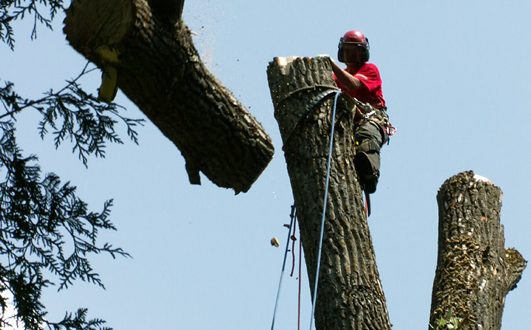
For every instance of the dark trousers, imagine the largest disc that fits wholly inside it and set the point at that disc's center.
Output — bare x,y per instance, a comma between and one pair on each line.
370,137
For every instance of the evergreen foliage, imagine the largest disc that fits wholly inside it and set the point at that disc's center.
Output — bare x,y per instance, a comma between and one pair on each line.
12,10
47,233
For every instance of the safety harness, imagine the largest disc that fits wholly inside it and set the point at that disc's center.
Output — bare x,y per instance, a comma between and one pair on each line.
377,116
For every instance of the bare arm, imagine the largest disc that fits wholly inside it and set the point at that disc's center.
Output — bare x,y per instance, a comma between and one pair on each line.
348,80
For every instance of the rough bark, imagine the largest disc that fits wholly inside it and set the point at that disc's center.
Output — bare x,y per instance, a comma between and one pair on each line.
474,269
160,70
350,295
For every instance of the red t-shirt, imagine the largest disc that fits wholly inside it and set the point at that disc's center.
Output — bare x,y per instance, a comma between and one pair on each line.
371,89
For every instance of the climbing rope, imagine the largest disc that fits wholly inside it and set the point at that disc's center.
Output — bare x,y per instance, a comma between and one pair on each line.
325,200
292,221
315,101
293,239
300,287
291,229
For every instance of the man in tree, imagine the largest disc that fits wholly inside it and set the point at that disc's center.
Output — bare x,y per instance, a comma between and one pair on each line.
361,81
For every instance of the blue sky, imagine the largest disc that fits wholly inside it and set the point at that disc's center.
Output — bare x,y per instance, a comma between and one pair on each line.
457,80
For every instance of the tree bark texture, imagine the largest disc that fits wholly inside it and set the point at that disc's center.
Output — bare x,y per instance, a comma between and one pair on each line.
474,269
350,294
159,69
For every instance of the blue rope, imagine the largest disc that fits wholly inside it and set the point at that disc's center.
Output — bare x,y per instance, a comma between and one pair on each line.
292,216
325,201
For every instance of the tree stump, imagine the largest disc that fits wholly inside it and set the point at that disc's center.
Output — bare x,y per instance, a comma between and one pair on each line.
474,269
159,69
350,295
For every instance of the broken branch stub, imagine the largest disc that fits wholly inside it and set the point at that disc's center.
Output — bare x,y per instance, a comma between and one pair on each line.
474,269
159,69
350,294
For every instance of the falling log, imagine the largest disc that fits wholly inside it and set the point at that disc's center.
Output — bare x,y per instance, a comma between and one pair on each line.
159,69
350,294
474,271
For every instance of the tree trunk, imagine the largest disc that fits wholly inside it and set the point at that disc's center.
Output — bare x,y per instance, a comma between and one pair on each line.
474,270
160,71
350,295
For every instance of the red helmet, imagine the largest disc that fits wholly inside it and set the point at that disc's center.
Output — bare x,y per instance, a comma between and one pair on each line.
354,37
357,38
